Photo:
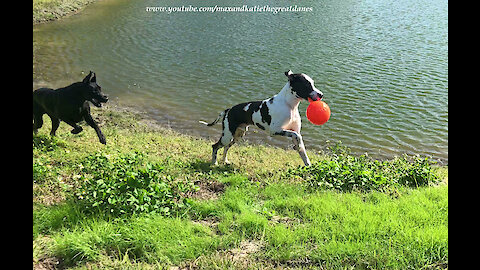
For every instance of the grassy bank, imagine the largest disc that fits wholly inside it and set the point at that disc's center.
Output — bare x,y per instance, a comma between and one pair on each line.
149,199
48,10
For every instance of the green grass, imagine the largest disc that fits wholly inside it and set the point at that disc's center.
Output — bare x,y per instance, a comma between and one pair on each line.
363,230
269,211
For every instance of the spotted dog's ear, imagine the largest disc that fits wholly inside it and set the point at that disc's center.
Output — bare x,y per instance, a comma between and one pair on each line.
289,75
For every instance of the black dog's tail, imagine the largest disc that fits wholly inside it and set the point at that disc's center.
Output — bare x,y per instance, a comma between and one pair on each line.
220,116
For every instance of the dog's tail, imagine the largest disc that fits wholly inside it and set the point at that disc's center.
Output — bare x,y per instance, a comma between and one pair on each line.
220,116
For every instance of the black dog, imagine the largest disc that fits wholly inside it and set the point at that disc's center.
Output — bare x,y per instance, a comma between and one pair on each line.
69,104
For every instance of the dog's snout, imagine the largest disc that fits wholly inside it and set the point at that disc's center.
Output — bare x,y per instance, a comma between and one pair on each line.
316,95
319,93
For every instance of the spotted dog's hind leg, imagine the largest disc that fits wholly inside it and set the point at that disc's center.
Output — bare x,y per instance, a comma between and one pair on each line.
215,148
224,141
239,133
298,144
225,150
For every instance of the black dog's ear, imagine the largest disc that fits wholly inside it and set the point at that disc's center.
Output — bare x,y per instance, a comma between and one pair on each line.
289,74
87,78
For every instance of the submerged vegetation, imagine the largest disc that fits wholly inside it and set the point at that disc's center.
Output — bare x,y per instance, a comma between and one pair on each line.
150,199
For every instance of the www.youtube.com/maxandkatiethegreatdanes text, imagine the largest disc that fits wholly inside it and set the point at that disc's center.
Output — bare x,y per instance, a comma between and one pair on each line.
244,8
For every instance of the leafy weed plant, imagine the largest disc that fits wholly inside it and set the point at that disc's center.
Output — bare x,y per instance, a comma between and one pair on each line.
129,185
345,172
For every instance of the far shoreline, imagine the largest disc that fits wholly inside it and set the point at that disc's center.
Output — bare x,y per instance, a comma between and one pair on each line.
52,10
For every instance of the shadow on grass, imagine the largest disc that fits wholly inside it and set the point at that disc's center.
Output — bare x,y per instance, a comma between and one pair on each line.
207,167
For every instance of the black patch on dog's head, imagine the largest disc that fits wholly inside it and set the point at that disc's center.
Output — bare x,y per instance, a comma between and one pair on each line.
93,91
302,86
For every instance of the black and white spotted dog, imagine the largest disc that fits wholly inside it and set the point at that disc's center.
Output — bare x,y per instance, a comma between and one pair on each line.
277,115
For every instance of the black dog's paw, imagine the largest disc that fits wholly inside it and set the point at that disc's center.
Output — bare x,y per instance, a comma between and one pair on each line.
76,130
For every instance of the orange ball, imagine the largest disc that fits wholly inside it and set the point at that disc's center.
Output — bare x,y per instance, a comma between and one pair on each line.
318,112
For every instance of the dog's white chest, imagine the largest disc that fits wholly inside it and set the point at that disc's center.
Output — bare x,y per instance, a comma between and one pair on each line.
294,122
282,117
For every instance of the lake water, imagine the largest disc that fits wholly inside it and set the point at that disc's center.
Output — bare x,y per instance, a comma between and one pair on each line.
382,65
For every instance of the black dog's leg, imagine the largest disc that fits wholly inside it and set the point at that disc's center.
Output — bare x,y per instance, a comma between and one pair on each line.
93,124
37,122
76,128
37,116
55,124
